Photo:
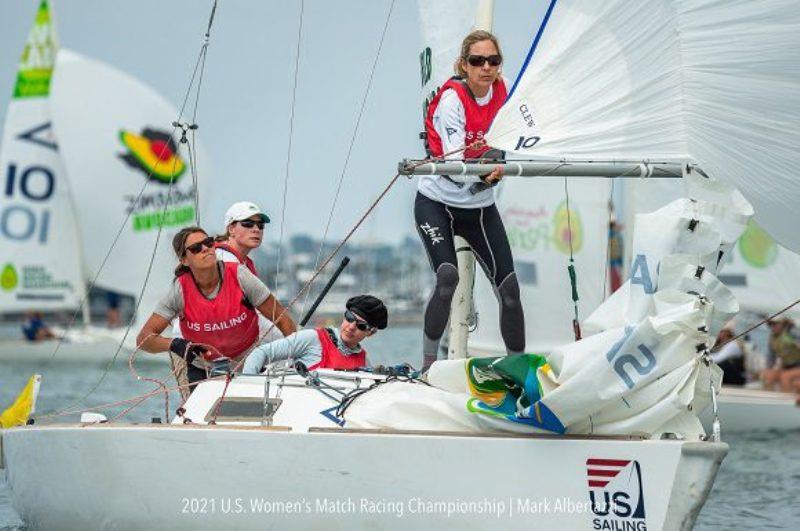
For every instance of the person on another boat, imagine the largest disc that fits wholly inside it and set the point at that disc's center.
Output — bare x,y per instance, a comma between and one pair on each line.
216,303
456,121
113,319
730,358
34,329
244,231
327,348
786,348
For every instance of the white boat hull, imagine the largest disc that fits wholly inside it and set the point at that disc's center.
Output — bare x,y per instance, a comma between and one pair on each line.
215,477
751,409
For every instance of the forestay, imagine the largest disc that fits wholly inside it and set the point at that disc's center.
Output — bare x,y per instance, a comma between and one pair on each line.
712,82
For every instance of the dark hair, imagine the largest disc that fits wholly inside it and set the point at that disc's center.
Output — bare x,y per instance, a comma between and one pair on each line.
179,246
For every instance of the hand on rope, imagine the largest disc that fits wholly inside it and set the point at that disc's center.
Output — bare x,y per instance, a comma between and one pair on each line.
190,351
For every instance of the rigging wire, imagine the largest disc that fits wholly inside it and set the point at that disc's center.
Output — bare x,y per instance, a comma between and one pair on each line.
352,143
199,66
573,278
289,144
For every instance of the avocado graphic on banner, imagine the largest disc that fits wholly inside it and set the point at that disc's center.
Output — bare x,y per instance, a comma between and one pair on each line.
8,278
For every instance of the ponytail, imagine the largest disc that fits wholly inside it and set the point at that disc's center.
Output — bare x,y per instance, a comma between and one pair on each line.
181,270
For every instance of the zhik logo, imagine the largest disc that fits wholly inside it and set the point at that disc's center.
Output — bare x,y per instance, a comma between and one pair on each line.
616,494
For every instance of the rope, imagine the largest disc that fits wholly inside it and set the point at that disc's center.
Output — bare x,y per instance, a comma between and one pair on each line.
199,65
289,145
352,141
573,277
607,266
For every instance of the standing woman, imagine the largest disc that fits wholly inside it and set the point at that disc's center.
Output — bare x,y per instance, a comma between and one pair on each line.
216,303
457,119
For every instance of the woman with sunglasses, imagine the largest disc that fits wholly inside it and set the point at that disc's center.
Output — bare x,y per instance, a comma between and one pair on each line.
327,348
244,231
216,303
455,123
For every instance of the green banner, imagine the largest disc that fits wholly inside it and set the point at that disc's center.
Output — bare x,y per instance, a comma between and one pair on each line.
170,218
38,57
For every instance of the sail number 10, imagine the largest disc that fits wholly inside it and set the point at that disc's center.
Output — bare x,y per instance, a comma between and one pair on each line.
20,222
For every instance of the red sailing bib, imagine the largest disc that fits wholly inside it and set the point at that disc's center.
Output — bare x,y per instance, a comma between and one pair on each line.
225,322
242,259
332,357
478,117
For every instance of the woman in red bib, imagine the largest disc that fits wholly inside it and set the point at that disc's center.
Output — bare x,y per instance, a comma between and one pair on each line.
455,124
216,304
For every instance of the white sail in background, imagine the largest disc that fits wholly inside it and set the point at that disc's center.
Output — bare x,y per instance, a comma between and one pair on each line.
444,25
712,82
39,261
114,132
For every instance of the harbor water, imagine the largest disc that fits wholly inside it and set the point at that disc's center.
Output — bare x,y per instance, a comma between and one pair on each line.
756,487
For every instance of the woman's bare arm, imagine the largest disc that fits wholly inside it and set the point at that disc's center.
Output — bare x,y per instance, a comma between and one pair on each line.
272,309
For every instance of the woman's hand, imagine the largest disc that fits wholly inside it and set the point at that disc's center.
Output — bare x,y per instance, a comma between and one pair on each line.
495,176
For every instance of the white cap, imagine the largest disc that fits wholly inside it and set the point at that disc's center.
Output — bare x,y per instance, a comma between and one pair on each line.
243,210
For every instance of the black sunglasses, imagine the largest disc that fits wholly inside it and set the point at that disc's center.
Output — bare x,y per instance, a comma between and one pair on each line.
350,317
250,223
479,60
197,247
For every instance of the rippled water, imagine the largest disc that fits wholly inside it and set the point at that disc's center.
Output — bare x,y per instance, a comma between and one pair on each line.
757,486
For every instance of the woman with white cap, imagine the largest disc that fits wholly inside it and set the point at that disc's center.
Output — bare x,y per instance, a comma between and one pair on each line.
244,231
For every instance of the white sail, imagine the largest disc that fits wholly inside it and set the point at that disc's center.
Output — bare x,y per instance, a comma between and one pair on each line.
39,261
539,228
711,82
115,132
763,275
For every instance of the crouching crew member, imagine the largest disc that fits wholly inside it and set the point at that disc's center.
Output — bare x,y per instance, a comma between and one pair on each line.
216,304
327,348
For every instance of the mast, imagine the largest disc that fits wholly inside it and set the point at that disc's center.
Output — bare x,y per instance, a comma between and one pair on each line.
462,312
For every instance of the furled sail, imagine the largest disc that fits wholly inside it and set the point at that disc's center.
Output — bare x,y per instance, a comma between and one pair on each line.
711,82
763,275
39,257
127,173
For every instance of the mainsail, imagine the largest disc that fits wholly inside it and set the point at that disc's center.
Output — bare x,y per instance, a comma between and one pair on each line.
715,83
39,260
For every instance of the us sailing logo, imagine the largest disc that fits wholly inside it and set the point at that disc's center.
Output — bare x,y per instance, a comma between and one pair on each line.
615,493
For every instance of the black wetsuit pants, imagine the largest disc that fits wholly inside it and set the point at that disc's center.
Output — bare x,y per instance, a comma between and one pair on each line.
483,229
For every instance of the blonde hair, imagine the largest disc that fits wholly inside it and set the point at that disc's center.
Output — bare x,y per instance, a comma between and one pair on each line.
469,40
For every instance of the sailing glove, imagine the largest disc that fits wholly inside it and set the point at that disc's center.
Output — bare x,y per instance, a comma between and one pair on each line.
186,349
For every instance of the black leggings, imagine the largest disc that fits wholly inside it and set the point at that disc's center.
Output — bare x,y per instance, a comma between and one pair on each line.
483,229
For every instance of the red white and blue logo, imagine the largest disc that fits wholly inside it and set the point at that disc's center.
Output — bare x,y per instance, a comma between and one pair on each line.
616,494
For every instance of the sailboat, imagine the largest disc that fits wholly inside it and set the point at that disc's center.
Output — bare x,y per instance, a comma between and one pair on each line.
301,465
89,163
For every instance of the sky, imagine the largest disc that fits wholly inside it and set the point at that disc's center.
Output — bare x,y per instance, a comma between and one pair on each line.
244,113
